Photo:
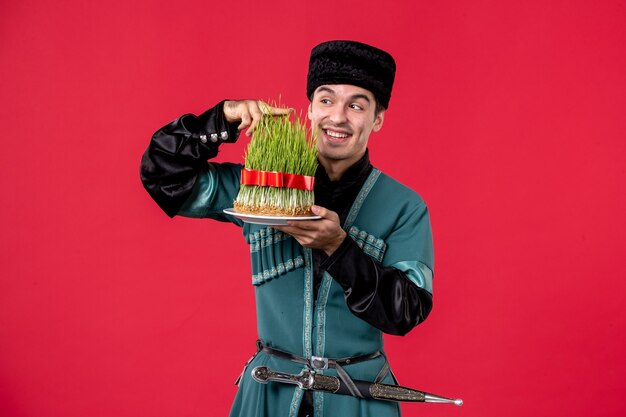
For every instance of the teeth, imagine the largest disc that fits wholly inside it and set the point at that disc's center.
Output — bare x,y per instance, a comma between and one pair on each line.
336,134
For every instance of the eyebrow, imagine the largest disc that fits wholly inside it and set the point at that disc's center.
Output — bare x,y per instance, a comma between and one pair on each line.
352,97
326,89
363,96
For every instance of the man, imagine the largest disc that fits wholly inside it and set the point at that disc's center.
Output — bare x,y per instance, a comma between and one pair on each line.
326,289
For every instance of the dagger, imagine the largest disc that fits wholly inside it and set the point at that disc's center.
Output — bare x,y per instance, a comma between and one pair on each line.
310,380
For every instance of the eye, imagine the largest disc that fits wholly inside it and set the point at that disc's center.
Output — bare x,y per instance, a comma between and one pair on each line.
356,106
325,101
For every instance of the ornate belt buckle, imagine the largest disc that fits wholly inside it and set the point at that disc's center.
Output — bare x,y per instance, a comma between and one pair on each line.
318,362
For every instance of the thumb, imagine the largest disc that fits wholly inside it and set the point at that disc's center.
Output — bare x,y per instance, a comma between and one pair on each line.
324,212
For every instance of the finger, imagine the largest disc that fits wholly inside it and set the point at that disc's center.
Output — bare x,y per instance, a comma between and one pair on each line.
273,111
256,118
294,232
245,121
263,107
303,225
290,228
278,111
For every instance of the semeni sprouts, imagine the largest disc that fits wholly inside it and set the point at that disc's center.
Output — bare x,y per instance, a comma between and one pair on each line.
279,145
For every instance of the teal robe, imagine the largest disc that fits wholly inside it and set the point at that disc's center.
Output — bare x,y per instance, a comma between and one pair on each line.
388,221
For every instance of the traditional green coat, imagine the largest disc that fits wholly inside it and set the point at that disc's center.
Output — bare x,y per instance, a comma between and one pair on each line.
391,225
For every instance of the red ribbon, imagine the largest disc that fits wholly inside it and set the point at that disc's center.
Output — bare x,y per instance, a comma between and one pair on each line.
276,179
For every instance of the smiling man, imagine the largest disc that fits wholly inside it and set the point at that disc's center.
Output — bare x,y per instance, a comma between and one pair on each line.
344,116
325,289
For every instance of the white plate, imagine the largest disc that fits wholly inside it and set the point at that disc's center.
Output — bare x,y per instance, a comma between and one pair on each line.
267,220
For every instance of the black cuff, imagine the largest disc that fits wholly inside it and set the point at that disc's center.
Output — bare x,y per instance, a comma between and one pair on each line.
338,254
213,127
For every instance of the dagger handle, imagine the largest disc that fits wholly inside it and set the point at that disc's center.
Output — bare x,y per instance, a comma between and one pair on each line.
305,379
325,383
262,374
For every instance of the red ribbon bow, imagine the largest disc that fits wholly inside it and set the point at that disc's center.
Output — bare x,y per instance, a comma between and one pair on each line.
276,179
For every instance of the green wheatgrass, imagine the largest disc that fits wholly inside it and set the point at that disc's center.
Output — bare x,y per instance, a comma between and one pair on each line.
279,144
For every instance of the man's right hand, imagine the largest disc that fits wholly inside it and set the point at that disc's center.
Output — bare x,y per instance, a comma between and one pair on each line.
249,112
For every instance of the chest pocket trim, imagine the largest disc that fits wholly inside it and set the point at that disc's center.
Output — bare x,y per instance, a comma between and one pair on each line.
272,253
370,244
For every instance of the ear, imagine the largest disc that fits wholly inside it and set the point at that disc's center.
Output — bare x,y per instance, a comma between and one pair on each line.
309,111
378,121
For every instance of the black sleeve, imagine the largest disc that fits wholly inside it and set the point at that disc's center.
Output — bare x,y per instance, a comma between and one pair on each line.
179,151
382,296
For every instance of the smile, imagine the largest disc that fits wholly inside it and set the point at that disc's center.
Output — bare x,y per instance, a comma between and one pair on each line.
336,135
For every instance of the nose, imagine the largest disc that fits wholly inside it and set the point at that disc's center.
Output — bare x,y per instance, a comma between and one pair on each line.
337,115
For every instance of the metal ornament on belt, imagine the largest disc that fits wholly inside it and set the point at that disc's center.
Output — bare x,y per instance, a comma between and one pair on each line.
309,380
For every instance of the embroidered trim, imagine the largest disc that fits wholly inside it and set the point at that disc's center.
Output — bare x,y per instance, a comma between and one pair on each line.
360,198
308,303
370,244
318,404
295,402
269,274
322,299
264,237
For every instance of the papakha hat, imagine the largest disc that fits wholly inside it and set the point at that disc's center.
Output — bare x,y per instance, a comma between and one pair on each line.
354,63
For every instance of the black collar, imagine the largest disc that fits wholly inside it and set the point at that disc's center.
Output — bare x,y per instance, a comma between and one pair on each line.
339,195
355,173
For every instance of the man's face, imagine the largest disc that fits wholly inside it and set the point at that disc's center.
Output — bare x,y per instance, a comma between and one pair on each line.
344,116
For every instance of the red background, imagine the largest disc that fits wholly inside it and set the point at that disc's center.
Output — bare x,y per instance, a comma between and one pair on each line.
507,117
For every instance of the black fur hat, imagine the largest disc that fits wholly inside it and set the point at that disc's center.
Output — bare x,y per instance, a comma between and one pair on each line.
354,63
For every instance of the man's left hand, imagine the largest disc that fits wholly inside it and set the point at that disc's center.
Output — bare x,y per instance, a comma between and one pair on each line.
325,234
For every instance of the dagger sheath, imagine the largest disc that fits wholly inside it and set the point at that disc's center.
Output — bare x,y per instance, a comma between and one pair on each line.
326,383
